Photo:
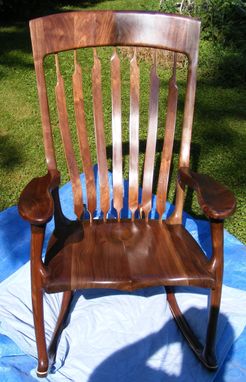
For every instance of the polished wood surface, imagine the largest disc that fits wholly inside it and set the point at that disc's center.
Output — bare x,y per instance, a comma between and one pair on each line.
216,200
151,141
61,321
100,138
74,30
38,274
36,203
83,136
121,254
134,134
67,142
166,158
126,255
116,133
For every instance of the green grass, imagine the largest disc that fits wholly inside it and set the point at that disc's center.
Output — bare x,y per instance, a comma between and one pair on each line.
219,142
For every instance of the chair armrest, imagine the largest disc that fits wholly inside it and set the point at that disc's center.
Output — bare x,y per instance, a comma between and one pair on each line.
36,202
216,200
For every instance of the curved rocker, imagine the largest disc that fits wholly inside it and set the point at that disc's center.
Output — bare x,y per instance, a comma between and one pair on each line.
206,352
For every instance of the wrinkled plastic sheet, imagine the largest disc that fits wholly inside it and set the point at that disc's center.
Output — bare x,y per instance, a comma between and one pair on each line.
127,349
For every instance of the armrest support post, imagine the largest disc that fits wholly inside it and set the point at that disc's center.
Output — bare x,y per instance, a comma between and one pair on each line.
216,261
38,271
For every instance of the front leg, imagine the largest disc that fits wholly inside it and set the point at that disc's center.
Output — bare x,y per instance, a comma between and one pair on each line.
216,266
37,276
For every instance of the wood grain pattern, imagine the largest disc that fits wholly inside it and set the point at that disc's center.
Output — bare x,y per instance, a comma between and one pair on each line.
126,255
60,324
45,116
116,133
38,274
36,204
114,28
149,161
167,150
83,137
184,156
134,135
216,200
67,142
100,139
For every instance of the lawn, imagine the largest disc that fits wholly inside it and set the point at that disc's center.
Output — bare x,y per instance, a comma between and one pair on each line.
219,142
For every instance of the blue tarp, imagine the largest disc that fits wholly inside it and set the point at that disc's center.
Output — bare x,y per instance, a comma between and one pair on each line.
14,253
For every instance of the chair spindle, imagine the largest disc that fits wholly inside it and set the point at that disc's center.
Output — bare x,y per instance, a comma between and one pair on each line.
83,136
100,138
151,141
67,142
167,150
134,134
116,133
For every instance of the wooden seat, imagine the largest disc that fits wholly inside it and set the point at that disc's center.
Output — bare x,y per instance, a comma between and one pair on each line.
126,255
118,253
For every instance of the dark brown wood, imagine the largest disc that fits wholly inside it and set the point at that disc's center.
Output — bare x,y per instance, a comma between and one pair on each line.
67,142
134,134
61,321
185,328
216,200
77,30
205,352
44,109
126,255
149,161
36,203
38,274
167,150
116,133
83,137
100,139
184,156
123,254
217,267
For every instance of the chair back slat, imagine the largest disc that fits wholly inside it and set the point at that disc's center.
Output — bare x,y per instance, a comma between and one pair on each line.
151,142
116,133
100,138
134,135
45,116
83,136
168,142
87,29
67,142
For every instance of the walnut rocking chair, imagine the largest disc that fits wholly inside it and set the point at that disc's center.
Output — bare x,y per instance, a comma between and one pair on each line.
123,254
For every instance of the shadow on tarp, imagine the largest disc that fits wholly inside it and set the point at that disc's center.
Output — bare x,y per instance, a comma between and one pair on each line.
135,362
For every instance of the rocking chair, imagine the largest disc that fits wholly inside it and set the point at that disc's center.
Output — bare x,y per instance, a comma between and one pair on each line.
123,254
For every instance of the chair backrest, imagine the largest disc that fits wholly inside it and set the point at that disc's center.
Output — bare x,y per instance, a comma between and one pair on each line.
71,31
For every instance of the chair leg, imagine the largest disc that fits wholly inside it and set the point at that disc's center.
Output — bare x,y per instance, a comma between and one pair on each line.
209,348
37,303
64,311
37,273
216,266
205,353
